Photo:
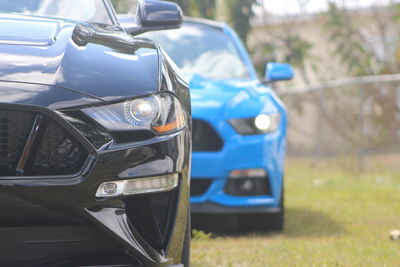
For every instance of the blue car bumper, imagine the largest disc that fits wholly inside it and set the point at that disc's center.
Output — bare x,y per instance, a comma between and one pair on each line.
238,152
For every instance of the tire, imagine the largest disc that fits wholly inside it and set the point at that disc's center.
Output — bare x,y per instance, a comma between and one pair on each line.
185,258
264,222
277,220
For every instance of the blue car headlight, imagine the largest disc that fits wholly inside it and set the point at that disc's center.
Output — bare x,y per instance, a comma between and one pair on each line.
261,124
160,113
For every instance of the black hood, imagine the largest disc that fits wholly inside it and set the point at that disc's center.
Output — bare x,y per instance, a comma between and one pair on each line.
97,61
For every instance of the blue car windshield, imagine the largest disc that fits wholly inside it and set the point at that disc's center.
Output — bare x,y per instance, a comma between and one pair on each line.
82,10
203,50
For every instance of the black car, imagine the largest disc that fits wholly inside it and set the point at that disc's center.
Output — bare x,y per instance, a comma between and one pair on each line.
95,137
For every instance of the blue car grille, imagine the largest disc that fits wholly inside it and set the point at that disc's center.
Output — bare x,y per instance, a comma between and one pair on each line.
37,147
199,186
205,138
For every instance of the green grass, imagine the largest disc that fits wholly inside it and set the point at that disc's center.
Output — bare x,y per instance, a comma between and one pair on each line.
334,217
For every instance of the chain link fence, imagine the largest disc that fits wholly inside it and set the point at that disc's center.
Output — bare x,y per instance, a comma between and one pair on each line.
352,117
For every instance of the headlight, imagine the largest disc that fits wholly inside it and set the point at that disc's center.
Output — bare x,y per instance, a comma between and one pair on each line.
262,124
160,113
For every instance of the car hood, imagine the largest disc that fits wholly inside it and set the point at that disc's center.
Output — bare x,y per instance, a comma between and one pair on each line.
229,98
98,61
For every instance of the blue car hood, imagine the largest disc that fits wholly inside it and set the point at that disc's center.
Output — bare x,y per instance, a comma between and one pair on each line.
229,98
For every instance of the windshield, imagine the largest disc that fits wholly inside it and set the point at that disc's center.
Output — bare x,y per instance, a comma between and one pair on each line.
204,50
82,10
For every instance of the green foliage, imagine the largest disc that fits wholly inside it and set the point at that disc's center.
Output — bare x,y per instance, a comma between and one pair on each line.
395,7
205,9
286,47
263,53
360,57
123,6
297,49
350,45
184,4
239,14
200,235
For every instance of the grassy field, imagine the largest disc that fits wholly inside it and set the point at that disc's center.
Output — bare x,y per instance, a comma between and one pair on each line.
334,217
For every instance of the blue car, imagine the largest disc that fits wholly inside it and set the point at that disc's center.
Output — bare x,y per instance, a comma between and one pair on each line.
239,125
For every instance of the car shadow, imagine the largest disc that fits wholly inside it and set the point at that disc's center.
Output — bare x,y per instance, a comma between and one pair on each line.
299,222
310,223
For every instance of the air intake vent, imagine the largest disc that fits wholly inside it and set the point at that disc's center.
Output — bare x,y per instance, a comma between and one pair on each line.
199,186
205,138
153,216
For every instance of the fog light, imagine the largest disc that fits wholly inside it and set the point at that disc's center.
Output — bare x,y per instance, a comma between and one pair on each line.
110,188
247,185
138,186
249,173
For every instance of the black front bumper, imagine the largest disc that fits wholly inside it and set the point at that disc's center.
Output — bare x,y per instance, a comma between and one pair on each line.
57,220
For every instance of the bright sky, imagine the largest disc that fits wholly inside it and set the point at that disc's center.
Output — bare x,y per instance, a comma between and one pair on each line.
294,6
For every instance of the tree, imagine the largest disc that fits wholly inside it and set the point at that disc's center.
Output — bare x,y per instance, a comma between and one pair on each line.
239,14
369,50
349,42
124,6
184,4
285,44
205,9
352,44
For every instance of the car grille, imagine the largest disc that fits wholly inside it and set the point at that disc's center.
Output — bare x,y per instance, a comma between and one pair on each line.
14,129
33,144
199,186
205,138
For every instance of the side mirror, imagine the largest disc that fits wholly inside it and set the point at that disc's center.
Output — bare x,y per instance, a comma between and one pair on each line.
155,15
278,72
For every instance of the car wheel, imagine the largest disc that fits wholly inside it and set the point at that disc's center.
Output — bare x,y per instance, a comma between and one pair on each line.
263,222
277,220
185,259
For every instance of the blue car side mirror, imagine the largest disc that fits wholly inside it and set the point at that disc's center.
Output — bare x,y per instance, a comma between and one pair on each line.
278,72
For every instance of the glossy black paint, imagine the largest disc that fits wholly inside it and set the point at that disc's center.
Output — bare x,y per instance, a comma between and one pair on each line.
48,96
124,66
150,15
56,66
71,201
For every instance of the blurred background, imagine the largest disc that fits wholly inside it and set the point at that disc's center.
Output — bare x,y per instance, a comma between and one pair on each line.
342,177
345,99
